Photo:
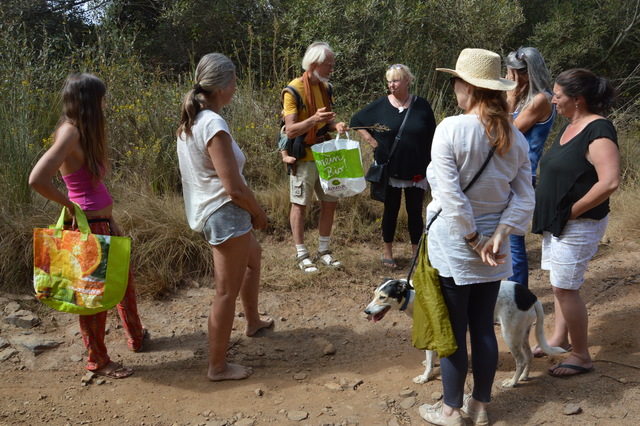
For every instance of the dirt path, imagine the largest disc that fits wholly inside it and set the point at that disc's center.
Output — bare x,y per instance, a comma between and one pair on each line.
322,364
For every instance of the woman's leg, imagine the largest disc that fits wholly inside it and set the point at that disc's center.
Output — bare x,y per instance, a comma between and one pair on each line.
390,219
230,264
454,367
250,288
414,200
484,345
576,320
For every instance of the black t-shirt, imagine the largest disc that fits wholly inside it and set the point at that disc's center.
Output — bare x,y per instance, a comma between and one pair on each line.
566,176
413,152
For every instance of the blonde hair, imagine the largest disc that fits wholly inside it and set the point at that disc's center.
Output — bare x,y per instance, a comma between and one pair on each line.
214,72
399,71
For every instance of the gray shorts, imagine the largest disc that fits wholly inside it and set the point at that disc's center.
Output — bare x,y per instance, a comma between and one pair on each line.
305,182
229,221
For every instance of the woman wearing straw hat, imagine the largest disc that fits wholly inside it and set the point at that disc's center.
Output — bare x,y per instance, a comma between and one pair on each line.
469,238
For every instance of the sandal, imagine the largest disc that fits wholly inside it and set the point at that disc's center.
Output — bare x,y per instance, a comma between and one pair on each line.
324,258
305,264
114,371
389,263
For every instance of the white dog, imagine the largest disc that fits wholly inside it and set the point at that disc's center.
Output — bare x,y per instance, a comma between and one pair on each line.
516,310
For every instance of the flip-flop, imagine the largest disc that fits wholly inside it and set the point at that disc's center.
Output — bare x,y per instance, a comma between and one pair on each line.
117,371
389,263
578,370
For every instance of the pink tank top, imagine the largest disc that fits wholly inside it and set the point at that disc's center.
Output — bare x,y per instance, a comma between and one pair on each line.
83,191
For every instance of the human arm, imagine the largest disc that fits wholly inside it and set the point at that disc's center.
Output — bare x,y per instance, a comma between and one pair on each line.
366,136
294,128
223,159
66,142
538,110
604,155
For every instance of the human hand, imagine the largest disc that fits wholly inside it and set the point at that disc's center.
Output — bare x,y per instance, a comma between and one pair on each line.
490,253
289,159
115,229
260,220
342,128
324,116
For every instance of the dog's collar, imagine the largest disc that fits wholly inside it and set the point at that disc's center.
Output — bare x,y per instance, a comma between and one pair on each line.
406,300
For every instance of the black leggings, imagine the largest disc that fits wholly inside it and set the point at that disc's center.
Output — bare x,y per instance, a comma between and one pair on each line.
470,306
413,198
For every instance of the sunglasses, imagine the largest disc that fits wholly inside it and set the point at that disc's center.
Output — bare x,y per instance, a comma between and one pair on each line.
396,67
520,55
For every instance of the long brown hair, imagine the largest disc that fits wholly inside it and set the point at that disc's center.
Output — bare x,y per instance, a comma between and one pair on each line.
82,96
494,115
214,72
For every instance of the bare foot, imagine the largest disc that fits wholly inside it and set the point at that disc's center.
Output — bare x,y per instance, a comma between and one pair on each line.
114,370
231,372
252,329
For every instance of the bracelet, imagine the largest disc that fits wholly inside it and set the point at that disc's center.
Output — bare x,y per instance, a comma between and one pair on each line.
472,239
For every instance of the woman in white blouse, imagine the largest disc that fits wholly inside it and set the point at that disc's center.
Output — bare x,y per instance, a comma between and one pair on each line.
469,238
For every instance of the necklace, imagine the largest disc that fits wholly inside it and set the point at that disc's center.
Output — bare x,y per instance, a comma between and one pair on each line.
401,106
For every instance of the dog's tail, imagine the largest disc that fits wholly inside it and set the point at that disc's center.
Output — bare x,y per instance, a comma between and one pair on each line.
542,341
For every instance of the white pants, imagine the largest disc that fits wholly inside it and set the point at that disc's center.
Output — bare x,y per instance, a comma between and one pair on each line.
568,255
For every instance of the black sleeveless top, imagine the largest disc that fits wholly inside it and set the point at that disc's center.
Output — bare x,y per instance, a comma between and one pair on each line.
566,176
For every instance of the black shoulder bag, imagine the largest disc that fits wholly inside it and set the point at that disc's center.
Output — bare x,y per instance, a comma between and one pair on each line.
377,175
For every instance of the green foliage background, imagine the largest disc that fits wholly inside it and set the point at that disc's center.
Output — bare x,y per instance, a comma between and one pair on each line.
145,50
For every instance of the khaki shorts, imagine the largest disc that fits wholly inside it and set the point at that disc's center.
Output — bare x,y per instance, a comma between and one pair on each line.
305,183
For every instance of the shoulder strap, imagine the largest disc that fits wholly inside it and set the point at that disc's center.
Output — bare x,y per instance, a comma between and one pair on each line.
399,135
330,92
296,95
475,178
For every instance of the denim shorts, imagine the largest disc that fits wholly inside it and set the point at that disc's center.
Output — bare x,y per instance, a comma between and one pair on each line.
568,255
229,221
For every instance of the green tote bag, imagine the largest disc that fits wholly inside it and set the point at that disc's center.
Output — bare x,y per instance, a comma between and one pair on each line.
77,271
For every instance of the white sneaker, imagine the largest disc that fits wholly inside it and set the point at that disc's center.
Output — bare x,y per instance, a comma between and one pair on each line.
479,418
433,414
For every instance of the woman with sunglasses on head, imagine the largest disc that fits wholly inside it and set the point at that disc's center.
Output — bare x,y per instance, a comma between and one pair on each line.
578,174
408,163
470,224
533,115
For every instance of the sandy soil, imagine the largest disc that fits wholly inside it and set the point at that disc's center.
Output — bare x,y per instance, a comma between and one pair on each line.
322,364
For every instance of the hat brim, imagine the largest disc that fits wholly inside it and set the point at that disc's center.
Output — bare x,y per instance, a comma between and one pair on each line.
500,84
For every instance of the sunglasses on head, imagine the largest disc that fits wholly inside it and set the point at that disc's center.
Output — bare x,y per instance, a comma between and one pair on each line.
395,67
520,55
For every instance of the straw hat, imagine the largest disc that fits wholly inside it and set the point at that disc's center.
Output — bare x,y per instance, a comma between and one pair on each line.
480,68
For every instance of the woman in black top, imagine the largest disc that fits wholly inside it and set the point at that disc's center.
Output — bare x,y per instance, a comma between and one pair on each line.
577,176
407,166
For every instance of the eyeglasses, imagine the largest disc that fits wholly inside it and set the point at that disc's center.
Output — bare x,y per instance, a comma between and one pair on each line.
396,67
520,55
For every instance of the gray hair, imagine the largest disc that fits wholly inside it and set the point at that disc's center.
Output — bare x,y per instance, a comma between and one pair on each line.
399,71
214,72
316,54
529,60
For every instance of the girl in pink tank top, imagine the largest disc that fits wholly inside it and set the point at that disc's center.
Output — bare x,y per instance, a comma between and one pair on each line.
79,153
